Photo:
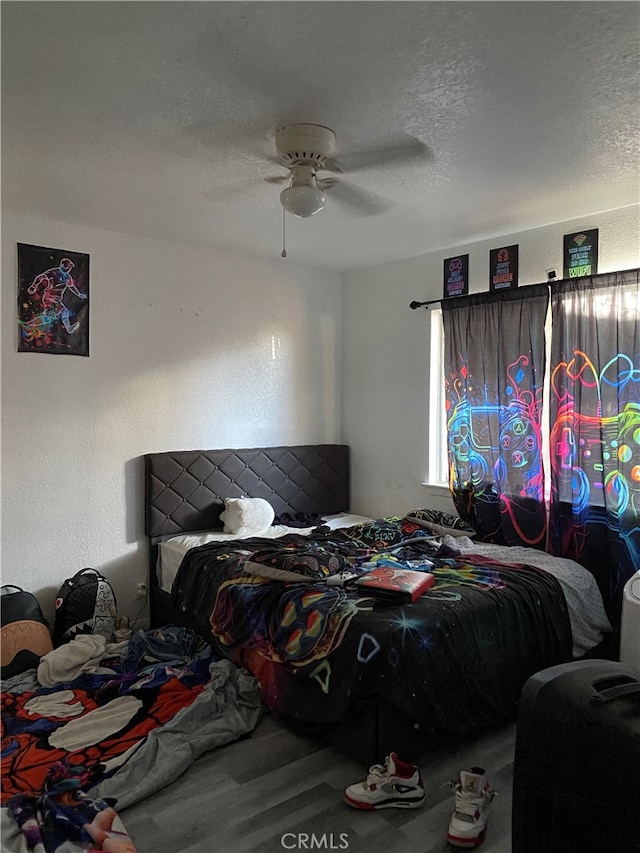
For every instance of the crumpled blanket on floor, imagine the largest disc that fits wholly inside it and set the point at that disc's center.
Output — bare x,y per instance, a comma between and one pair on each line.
82,654
64,817
125,734
229,707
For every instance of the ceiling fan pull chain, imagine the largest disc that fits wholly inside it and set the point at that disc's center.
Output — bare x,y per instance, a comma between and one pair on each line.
283,253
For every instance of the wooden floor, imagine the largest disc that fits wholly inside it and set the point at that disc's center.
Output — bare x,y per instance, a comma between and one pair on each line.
265,793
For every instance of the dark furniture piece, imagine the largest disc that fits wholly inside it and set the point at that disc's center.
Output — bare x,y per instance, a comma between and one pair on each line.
185,493
577,760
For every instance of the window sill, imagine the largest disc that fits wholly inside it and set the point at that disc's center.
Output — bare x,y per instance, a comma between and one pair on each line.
436,489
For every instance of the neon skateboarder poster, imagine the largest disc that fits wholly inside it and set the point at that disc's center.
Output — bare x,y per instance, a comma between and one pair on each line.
53,301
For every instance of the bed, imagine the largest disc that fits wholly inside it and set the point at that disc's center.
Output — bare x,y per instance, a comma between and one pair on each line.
329,660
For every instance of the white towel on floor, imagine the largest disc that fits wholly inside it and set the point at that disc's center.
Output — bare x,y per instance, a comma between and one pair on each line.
82,654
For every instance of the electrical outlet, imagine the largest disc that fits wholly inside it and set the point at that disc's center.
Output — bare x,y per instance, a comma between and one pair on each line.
141,589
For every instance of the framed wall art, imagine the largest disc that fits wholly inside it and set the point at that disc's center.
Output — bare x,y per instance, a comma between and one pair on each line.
53,301
580,253
503,268
456,276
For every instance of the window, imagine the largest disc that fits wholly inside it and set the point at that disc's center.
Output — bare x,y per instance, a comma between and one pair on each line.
437,465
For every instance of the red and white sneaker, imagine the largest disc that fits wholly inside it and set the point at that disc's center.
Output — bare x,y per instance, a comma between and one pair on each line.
468,823
392,785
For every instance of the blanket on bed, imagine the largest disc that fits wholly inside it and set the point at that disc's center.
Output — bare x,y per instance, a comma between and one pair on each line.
453,661
72,752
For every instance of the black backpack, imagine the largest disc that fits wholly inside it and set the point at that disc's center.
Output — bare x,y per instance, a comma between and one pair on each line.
25,631
85,604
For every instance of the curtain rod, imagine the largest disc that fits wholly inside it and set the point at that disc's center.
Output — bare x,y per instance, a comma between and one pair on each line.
413,305
552,280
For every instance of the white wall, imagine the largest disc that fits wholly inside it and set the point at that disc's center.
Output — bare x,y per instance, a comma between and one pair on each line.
192,348
386,352
188,349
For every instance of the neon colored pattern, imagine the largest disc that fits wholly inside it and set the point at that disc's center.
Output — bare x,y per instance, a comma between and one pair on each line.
595,457
283,622
499,443
316,650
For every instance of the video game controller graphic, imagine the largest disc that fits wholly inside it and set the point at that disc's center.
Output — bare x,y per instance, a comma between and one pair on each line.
592,456
507,434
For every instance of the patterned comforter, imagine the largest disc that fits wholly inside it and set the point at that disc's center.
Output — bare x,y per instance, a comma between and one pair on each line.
453,661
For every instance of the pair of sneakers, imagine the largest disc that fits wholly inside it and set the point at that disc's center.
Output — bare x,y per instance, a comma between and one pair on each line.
397,784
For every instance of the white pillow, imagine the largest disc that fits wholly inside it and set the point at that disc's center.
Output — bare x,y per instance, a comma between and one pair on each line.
246,516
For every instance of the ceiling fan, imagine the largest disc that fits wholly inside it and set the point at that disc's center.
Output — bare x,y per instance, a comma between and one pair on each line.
307,149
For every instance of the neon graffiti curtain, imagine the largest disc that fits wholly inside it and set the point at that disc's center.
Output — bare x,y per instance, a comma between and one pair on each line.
494,371
595,428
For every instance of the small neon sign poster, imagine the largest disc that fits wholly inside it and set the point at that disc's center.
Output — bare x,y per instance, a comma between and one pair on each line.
456,276
503,268
580,253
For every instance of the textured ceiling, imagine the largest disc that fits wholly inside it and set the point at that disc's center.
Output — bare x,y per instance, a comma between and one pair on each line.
154,119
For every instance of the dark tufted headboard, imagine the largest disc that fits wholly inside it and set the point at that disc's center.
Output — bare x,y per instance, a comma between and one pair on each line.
185,492
185,489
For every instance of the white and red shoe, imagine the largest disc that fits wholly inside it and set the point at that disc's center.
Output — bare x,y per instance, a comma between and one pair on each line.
468,824
392,785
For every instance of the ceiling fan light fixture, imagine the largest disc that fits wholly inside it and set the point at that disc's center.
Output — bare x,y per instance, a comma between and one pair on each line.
302,201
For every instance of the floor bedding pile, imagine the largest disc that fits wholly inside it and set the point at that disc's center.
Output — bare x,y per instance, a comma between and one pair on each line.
114,723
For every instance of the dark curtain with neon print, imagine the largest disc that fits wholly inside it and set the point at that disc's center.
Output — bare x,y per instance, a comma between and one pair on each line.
595,428
494,372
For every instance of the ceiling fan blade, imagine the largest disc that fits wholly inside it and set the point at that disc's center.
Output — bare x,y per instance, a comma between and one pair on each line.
278,179
410,150
358,201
